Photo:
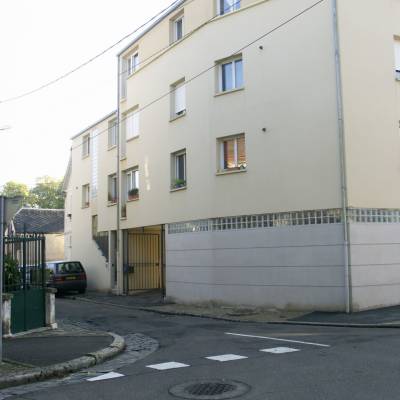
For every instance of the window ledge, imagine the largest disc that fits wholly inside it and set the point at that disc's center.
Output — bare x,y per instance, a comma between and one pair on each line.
229,91
175,117
112,147
85,207
111,204
85,156
133,73
132,138
122,99
178,189
133,200
229,172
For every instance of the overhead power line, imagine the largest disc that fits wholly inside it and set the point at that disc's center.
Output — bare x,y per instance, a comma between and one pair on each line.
141,62
90,60
271,31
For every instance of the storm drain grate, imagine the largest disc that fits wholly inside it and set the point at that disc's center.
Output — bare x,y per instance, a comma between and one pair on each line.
210,390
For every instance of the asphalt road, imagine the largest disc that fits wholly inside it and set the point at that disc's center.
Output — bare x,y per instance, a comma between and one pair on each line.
329,363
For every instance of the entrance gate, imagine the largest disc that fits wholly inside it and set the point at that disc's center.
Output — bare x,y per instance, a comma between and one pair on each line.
144,261
24,277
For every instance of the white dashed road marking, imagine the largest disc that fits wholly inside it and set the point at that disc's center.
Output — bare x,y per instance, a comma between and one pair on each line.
226,357
277,339
167,365
280,350
110,375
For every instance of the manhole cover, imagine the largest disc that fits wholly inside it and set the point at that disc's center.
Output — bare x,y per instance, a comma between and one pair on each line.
210,390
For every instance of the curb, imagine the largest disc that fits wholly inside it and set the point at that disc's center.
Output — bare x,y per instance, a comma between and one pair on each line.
65,368
387,325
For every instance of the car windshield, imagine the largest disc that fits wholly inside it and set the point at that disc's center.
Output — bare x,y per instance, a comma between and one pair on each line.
69,268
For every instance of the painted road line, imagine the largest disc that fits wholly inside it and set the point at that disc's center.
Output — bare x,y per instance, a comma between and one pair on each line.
167,365
110,375
277,339
280,350
226,357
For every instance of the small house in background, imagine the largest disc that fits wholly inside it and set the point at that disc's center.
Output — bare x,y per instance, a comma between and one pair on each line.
48,222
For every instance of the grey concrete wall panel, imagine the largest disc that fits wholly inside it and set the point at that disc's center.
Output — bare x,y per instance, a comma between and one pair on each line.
296,267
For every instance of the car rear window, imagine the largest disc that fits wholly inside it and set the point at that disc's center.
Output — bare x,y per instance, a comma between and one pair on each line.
69,268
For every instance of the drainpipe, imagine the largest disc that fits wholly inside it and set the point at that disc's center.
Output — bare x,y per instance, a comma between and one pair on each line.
342,156
119,265
1,272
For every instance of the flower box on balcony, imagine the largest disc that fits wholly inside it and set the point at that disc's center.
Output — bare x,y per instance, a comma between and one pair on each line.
133,194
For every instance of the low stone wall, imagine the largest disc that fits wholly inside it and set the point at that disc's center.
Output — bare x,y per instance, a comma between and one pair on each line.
6,313
50,311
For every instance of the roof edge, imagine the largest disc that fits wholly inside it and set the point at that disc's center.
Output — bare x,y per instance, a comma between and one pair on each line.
94,124
152,25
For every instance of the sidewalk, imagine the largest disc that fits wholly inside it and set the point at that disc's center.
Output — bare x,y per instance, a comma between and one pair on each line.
52,353
153,302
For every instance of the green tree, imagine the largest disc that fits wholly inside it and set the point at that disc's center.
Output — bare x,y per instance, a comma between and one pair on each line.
14,189
47,193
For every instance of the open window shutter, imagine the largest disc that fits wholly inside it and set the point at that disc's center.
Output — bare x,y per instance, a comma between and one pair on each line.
397,54
180,99
135,124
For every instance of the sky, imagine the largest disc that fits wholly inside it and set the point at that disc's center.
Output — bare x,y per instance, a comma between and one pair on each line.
39,41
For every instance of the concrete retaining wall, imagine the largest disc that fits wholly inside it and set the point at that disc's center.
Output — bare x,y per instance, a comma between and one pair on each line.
375,265
296,267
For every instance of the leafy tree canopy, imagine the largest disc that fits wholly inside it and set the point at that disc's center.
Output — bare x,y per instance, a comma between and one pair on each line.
47,193
14,189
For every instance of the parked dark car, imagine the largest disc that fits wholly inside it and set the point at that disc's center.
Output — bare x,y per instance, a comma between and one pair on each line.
66,276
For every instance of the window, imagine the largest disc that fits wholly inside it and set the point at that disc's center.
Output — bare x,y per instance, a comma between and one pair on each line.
178,99
132,184
132,124
133,63
231,75
85,196
112,189
85,145
112,133
232,153
397,57
177,28
227,6
178,169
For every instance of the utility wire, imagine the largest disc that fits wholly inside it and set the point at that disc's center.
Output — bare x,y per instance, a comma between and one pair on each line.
286,22
90,60
141,62
225,10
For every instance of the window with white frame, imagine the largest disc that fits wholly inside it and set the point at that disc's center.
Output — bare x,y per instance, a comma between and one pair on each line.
85,196
112,188
131,125
85,145
112,133
397,57
231,74
133,63
178,169
227,6
132,184
178,99
232,153
177,28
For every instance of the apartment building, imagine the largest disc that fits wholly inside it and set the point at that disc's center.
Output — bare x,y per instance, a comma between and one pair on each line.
253,158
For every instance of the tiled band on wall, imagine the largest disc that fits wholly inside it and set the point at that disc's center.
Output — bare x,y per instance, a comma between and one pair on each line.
296,218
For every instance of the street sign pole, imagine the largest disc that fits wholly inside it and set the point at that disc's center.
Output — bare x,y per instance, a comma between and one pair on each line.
2,206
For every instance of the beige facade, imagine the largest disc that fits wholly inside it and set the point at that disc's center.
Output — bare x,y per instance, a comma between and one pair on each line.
296,69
